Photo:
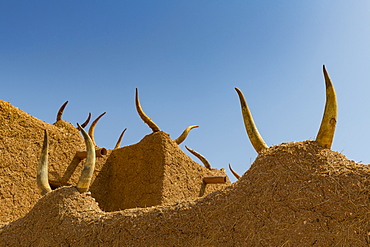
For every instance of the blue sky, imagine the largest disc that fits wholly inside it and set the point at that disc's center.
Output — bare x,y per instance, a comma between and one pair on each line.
186,58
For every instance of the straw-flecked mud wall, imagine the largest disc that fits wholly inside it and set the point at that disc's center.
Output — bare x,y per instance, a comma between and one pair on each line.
132,176
294,194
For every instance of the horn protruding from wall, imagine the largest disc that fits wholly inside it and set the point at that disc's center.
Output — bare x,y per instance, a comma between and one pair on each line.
200,157
42,169
251,128
118,144
61,110
92,128
84,124
143,116
184,134
236,175
89,166
326,132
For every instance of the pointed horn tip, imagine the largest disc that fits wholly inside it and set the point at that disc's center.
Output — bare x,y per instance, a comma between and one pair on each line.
80,128
324,69
240,94
137,100
327,78
87,121
46,135
61,110
234,173
97,119
64,104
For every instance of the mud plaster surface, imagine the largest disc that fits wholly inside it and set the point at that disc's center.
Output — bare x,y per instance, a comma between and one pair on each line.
152,172
21,138
133,176
294,194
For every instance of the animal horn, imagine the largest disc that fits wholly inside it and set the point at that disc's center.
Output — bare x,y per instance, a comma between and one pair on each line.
329,120
92,128
118,144
201,157
61,110
143,116
234,172
87,121
251,128
88,170
42,170
184,134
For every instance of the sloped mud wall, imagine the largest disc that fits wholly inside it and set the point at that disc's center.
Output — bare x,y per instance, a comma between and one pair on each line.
295,194
21,137
183,177
152,172
128,177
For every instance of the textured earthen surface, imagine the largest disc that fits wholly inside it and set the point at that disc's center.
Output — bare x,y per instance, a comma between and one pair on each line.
21,138
152,172
294,194
132,176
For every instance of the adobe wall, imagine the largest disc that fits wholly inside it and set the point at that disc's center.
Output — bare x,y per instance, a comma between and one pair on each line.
294,194
21,138
152,172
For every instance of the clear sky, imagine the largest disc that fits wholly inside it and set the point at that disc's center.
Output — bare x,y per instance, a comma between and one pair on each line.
186,58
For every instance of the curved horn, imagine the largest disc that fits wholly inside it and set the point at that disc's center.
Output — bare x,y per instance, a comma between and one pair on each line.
118,144
143,116
87,121
201,157
61,110
329,120
42,170
184,134
234,172
251,128
92,128
88,170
